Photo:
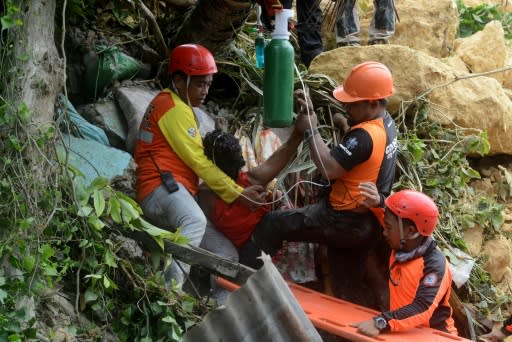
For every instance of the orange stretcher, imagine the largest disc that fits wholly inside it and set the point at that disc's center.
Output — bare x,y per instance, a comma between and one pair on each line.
335,316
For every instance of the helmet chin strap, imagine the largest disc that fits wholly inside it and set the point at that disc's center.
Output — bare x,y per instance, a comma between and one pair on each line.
176,89
401,228
403,239
188,83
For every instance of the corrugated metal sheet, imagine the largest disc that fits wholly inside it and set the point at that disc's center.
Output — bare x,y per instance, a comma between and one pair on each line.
263,309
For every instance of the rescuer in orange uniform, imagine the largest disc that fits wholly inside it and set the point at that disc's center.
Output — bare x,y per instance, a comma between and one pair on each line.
170,157
419,275
364,160
499,334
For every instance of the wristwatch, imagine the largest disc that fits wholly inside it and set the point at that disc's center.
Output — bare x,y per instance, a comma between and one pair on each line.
380,323
309,132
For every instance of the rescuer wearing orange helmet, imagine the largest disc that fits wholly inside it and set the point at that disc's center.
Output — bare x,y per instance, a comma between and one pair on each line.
170,157
363,161
419,275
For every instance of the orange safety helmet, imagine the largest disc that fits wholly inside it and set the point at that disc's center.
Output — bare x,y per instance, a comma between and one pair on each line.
366,81
415,206
192,59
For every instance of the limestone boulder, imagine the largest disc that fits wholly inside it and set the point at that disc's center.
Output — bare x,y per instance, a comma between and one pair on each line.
485,50
464,102
498,256
504,286
507,76
456,63
474,238
425,25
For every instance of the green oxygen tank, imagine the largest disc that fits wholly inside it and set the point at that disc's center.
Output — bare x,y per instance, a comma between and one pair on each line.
278,75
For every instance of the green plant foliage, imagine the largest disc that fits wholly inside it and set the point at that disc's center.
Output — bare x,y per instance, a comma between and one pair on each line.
473,19
434,159
60,236
9,18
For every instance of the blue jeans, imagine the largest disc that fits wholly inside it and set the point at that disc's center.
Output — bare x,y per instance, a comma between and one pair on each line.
172,211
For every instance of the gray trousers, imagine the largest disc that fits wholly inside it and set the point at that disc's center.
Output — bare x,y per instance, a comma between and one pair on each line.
217,243
172,211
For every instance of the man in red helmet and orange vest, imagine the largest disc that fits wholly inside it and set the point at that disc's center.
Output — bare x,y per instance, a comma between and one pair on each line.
170,157
363,161
419,275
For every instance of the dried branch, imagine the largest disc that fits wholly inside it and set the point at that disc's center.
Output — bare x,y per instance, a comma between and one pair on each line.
162,46
463,77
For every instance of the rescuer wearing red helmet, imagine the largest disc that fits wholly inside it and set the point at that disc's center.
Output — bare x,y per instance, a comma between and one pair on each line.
364,161
170,157
419,275
498,334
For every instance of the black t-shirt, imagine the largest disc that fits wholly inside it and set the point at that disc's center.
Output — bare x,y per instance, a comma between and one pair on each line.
355,148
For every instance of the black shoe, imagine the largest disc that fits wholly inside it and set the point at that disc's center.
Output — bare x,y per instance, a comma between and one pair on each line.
340,44
378,42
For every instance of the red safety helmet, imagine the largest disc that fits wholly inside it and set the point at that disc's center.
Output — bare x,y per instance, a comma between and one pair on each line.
415,206
192,59
366,81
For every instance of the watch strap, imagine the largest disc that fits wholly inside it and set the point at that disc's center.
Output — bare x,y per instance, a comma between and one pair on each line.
309,132
380,323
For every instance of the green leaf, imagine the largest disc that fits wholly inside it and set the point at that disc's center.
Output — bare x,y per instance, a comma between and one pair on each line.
46,251
90,295
84,211
128,211
27,223
9,22
110,259
99,202
29,262
189,323
98,183
24,112
130,200
187,306
95,222
50,270
3,295
94,276
169,319
114,209
106,282
154,230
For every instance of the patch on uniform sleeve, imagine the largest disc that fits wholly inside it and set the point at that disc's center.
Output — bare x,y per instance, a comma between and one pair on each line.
350,144
430,279
192,132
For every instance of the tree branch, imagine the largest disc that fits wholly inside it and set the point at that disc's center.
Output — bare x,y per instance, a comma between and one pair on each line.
162,46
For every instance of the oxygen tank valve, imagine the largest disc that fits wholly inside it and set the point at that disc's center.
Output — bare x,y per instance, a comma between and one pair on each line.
281,24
